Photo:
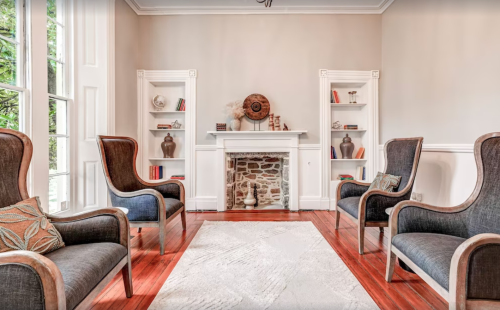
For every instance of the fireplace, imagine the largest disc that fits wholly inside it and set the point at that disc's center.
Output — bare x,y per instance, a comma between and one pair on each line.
235,148
266,173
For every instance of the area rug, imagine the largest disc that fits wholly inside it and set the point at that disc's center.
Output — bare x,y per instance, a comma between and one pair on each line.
261,265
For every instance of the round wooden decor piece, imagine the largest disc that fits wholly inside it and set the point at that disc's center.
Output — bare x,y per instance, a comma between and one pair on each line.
256,107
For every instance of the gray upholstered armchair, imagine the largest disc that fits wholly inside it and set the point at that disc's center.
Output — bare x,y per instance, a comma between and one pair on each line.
97,246
149,204
367,207
456,250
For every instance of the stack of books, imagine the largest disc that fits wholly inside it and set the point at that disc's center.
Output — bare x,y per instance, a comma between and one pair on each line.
164,126
177,177
333,153
155,172
334,97
350,127
361,173
345,177
221,126
181,105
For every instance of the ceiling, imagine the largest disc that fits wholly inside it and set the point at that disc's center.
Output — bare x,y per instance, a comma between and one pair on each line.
184,7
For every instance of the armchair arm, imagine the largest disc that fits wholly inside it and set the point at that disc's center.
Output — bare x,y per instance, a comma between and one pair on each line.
168,189
28,265
133,201
412,216
103,225
474,272
373,204
351,188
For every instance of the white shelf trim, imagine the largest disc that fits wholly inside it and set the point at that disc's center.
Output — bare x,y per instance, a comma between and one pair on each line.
166,112
348,130
167,130
257,133
166,159
353,160
344,105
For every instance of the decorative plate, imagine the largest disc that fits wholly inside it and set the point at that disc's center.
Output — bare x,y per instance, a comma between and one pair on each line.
256,107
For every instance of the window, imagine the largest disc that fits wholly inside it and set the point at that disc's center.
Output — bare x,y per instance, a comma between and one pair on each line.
11,64
59,133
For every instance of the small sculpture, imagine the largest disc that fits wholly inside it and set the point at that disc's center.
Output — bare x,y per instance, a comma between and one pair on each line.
285,127
271,122
354,97
176,125
159,102
249,201
255,195
277,123
337,125
347,147
168,147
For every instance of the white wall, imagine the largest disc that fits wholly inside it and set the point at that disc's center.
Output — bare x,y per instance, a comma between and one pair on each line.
440,65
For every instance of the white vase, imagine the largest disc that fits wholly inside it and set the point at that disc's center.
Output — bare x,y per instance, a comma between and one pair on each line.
250,200
235,124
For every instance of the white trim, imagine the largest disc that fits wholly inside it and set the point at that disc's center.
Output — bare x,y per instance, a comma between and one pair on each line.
202,203
111,69
313,203
301,147
225,10
444,148
205,147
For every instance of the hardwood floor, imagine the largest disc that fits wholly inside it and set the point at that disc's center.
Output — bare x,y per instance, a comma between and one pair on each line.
150,270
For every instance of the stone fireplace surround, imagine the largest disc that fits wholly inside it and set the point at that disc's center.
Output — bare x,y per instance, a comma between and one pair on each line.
268,172
256,142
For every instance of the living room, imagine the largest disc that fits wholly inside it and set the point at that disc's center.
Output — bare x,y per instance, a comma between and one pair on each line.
252,154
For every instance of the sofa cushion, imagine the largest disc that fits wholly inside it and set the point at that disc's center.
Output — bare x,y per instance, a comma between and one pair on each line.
350,205
83,266
385,182
24,226
431,252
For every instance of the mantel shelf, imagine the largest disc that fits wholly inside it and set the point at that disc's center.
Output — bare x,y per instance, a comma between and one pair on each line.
258,133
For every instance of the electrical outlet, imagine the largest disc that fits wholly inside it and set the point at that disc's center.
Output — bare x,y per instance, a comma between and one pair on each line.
416,196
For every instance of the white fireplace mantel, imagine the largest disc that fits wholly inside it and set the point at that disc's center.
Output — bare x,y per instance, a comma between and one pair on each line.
257,141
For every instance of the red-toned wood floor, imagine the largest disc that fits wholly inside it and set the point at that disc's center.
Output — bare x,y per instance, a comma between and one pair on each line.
150,270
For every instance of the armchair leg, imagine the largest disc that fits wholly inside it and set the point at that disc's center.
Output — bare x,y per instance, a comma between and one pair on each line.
381,230
361,238
391,263
183,218
337,219
139,229
127,279
162,238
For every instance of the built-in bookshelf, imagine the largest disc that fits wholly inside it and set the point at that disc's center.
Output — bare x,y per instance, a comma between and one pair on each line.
337,105
173,85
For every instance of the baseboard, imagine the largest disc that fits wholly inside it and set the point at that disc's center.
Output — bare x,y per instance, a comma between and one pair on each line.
314,203
208,203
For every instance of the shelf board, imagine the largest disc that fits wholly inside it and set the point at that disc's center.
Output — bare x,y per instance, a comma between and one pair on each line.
352,105
353,160
166,159
348,130
167,129
166,112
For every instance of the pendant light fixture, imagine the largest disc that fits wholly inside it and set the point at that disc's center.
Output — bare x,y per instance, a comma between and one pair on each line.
266,2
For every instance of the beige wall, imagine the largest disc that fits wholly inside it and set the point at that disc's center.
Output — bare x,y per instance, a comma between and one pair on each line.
278,56
440,70
126,65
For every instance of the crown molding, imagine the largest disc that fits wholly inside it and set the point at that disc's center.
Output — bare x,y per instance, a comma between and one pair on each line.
227,10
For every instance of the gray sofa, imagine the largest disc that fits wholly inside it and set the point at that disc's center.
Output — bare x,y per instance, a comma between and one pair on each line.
456,250
97,246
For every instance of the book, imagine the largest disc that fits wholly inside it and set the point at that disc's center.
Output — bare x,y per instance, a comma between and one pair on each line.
361,153
177,177
334,153
336,96
161,172
179,104
331,97
345,177
364,173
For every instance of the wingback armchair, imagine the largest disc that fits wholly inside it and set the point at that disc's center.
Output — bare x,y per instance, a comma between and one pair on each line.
96,246
149,204
367,207
456,250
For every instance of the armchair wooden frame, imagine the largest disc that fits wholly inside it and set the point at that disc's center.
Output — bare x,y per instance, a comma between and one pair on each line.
162,221
361,220
457,294
49,273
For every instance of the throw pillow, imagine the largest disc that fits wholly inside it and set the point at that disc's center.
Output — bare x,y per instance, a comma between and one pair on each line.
385,182
24,226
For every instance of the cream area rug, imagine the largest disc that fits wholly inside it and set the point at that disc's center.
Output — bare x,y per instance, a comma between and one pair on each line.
261,265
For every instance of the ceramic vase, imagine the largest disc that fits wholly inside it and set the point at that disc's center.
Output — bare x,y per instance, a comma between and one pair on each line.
250,200
168,146
235,124
347,147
